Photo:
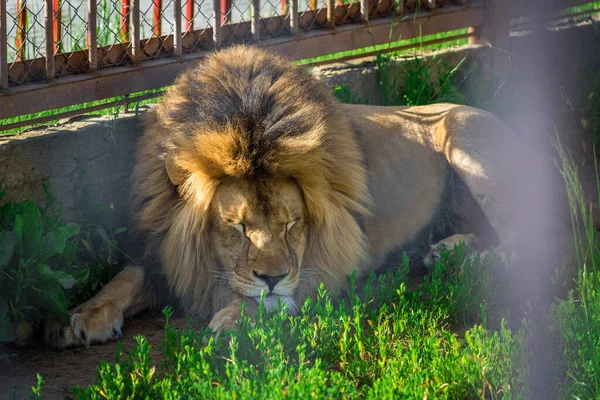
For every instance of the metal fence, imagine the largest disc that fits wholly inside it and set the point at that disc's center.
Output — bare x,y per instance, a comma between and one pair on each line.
57,53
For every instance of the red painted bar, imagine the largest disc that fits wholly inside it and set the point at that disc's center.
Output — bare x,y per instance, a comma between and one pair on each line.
156,20
284,7
56,25
21,29
125,6
312,4
189,15
225,11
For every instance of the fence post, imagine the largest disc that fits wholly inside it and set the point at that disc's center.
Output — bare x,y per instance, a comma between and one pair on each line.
255,24
3,48
225,12
216,23
49,40
135,31
496,32
92,39
189,15
364,10
294,22
157,17
20,43
125,8
177,45
56,22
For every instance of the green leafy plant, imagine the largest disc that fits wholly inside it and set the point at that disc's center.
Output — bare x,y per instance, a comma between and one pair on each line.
44,268
419,82
389,342
38,251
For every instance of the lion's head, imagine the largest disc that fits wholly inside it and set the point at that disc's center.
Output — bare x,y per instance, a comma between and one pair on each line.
249,179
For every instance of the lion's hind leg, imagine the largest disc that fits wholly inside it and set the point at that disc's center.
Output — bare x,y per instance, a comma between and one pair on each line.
512,182
100,319
447,244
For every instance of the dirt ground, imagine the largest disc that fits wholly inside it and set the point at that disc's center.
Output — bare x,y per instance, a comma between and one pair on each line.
63,369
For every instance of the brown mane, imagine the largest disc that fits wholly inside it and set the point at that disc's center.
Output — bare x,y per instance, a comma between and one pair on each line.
244,112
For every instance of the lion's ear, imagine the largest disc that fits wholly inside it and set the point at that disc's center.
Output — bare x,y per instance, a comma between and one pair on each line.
174,170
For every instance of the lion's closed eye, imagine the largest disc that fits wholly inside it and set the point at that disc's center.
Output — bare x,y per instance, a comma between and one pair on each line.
290,225
237,225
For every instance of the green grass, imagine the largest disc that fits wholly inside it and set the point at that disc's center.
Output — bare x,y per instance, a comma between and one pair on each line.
387,47
575,320
114,111
394,343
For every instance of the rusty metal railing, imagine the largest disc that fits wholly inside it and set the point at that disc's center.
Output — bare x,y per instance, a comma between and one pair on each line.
57,53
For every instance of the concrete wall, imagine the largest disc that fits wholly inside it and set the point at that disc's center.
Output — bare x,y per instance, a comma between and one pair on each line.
97,151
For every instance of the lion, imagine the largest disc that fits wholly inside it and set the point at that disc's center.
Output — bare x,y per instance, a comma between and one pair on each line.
251,180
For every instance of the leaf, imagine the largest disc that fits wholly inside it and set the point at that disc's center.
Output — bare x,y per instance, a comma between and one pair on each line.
54,242
51,297
120,230
18,232
81,275
66,281
32,229
88,247
8,241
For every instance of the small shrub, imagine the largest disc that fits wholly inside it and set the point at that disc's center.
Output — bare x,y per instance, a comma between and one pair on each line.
391,343
43,268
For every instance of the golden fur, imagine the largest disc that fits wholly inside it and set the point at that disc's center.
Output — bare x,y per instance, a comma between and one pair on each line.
251,177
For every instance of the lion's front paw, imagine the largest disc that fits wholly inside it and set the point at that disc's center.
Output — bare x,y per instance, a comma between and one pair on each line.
225,319
96,324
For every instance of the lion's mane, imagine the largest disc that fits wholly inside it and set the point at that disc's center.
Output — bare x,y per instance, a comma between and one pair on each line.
245,112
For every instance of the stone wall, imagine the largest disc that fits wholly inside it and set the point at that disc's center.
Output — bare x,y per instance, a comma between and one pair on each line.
97,152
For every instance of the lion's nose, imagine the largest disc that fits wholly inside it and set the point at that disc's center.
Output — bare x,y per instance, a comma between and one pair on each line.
271,281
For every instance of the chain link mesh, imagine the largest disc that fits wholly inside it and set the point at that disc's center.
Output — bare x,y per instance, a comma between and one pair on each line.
27,39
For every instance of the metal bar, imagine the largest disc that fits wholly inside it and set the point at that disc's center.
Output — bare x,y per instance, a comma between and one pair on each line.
225,12
431,4
21,9
391,49
312,4
330,14
156,17
284,7
135,31
216,22
125,8
364,10
255,26
294,21
177,37
400,8
524,24
111,82
3,48
56,24
127,100
189,15
49,26
91,36
379,31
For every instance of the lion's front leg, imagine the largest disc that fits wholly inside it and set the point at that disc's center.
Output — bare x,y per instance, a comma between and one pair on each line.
227,317
100,319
